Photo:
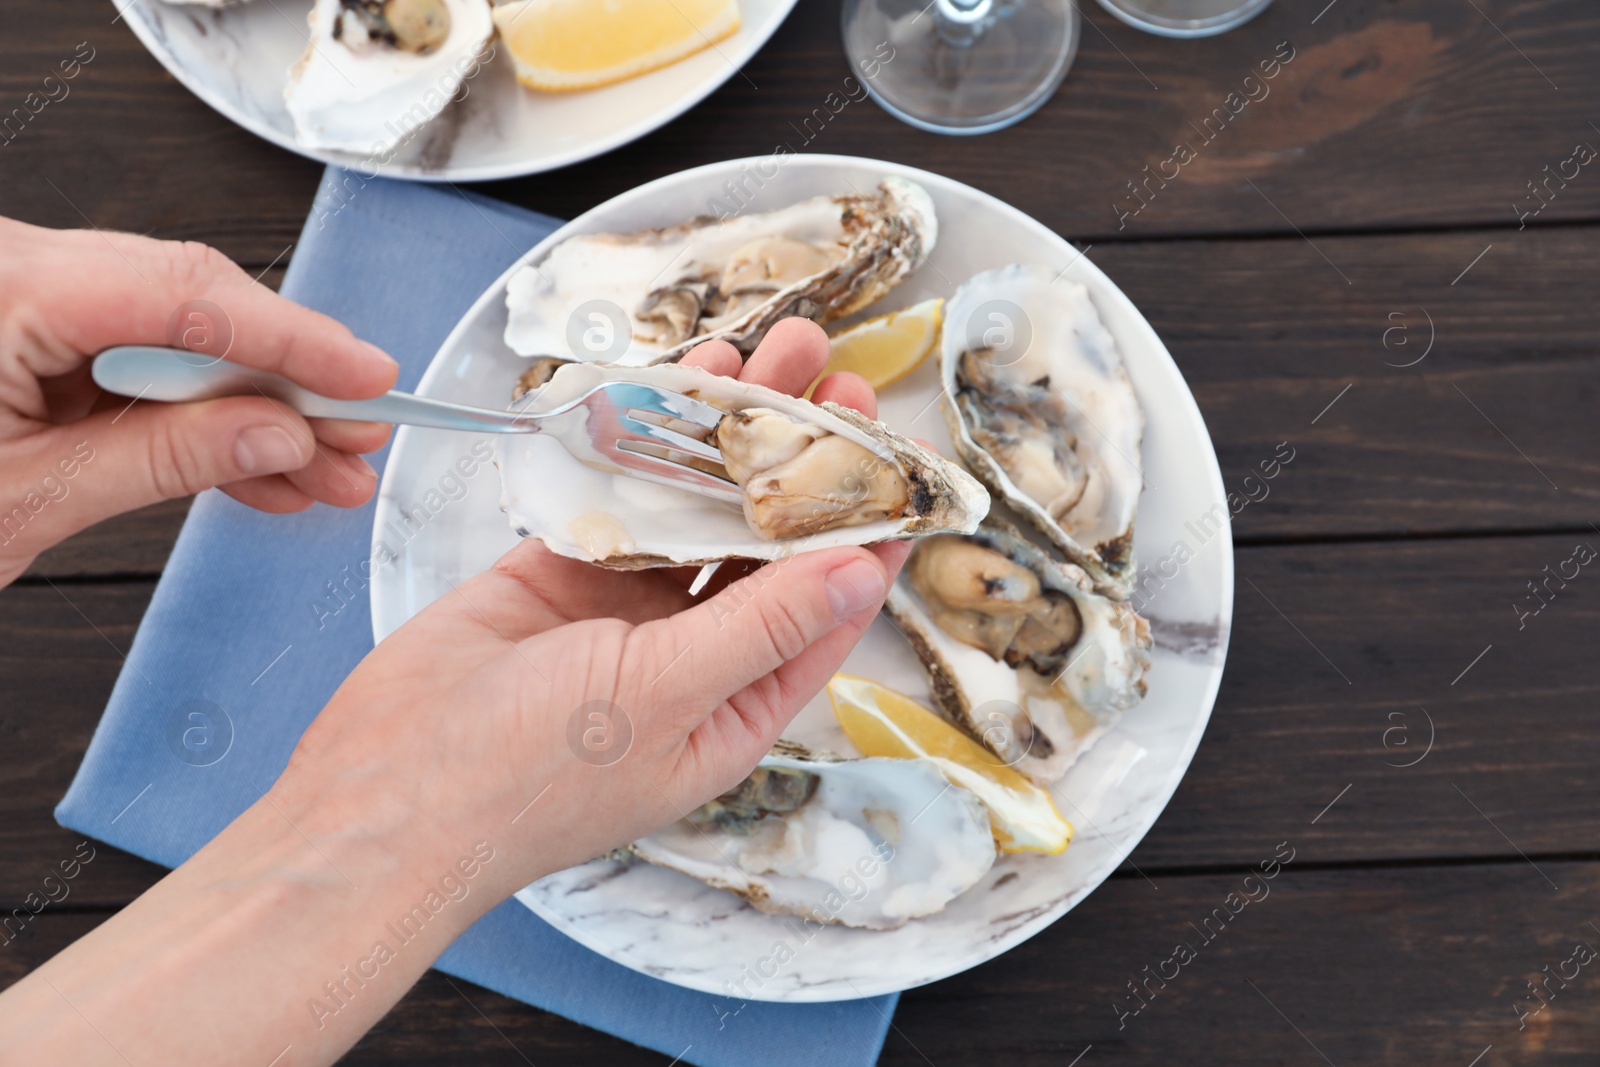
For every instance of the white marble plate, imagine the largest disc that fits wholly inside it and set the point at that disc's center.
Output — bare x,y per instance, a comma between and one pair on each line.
235,59
665,924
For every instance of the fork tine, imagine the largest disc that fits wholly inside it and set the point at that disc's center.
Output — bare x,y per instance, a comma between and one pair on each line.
672,438
668,471
664,402
657,435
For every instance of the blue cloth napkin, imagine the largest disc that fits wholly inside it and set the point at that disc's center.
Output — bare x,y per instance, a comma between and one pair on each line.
231,662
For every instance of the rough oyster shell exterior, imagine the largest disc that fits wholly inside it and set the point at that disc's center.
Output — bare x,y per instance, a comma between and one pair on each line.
1056,361
613,283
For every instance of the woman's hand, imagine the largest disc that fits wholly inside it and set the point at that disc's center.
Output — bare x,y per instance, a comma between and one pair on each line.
449,770
611,701
71,455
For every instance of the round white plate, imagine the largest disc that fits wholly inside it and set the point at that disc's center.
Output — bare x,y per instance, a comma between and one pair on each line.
667,925
236,59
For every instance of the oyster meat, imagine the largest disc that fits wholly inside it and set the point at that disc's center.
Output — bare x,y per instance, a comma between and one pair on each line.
649,297
375,71
869,842
1041,409
800,478
1021,651
812,476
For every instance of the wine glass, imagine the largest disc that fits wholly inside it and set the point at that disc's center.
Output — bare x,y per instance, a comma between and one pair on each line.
960,66
1185,18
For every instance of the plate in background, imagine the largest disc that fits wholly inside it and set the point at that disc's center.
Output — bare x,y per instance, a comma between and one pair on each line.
236,60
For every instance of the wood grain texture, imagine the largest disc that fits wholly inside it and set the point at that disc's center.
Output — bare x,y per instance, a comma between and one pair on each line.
1373,966
1339,658
1468,405
129,148
60,652
1404,113
1404,966
134,544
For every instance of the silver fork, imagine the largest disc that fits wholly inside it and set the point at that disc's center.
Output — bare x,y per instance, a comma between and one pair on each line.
647,432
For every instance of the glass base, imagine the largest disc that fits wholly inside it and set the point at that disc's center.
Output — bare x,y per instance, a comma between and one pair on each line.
1185,18
959,66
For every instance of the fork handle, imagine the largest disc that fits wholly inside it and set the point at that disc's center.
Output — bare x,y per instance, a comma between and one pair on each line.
148,372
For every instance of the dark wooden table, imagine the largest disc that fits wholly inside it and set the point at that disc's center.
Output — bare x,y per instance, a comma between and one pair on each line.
1365,213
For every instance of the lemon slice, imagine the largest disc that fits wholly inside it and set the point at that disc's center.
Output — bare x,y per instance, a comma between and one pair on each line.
886,348
561,45
881,722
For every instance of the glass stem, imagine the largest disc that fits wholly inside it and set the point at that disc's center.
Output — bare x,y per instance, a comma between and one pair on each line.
961,22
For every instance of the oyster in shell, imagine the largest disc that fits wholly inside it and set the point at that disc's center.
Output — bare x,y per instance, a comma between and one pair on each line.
375,71
801,478
1041,409
649,297
1021,651
813,476
867,842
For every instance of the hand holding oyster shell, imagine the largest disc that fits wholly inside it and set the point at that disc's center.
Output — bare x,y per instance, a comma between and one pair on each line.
812,475
465,744
481,688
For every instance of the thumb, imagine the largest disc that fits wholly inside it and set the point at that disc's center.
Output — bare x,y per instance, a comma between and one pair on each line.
150,452
763,623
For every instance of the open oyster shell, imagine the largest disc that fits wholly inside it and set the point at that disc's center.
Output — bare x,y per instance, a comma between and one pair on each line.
1020,649
1041,409
614,519
867,842
649,297
375,71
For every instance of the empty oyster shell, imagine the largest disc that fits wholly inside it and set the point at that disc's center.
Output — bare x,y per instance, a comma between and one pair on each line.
375,71
1021,651
649,297
1041,409
814,476
869,842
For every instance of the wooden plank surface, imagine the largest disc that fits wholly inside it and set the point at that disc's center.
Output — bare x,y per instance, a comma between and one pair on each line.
131,149
1408,113
61,649
133,544
1342,655
1415,966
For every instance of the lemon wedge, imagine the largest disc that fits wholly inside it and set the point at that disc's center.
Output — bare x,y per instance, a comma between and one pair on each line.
882,722
562,45
886,348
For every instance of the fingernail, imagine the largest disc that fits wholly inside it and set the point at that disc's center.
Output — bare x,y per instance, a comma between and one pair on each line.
265,450
853,588
378,353
364,467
